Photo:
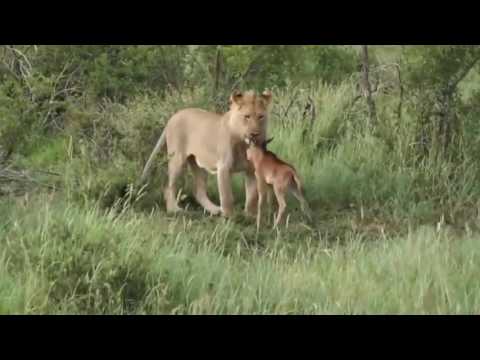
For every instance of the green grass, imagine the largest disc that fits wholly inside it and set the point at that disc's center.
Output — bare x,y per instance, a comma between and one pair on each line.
392,234
59,258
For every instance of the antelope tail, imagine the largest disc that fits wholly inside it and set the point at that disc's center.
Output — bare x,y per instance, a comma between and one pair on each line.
298,183
301,196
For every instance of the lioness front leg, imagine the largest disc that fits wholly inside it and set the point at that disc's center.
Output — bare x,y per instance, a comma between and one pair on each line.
251,194
200,190
225,190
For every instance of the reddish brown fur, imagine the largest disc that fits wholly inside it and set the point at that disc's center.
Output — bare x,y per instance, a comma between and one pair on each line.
270,171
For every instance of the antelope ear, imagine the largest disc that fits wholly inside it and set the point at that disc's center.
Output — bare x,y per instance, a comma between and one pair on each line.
236,97
267,97
268,141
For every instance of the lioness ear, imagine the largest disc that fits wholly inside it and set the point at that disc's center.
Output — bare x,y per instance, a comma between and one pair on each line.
267,97
236,97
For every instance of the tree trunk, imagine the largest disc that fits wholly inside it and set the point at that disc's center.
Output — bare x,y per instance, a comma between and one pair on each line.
218,69
400,87
448,123
366,87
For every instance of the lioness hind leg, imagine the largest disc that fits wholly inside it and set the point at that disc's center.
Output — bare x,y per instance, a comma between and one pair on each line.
175,168
200,190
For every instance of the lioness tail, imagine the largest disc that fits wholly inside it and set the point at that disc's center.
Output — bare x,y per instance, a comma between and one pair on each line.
158,147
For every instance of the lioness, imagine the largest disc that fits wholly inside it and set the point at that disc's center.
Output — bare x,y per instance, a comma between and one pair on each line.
214,143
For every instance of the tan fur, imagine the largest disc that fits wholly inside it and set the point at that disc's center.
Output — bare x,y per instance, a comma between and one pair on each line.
214,143
271,172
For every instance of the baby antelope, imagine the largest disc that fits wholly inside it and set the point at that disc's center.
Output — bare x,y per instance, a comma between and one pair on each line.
270,172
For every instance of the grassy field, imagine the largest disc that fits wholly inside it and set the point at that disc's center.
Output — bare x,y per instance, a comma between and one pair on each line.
390,236
58,258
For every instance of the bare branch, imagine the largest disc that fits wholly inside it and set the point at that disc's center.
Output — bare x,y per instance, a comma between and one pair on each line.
6,67
292,100
246,72
453,84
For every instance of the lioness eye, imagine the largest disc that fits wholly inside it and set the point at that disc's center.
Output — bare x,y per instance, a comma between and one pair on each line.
260,117
247,117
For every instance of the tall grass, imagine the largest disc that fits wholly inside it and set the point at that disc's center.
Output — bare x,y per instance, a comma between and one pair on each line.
392,233
58,258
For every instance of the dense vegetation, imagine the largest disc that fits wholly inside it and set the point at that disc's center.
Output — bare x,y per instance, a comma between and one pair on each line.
386,137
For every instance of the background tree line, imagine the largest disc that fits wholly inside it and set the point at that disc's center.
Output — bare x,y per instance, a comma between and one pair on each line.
429,91
38,82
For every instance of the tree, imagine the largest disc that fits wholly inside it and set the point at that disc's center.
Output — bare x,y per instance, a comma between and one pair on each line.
433,78
366,86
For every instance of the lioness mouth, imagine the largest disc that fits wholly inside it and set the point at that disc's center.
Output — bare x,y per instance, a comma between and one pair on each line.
251,140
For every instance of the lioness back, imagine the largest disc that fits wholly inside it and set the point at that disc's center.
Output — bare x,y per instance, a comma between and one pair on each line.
195,132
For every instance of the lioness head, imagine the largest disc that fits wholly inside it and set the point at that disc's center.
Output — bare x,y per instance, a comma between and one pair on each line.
249,114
